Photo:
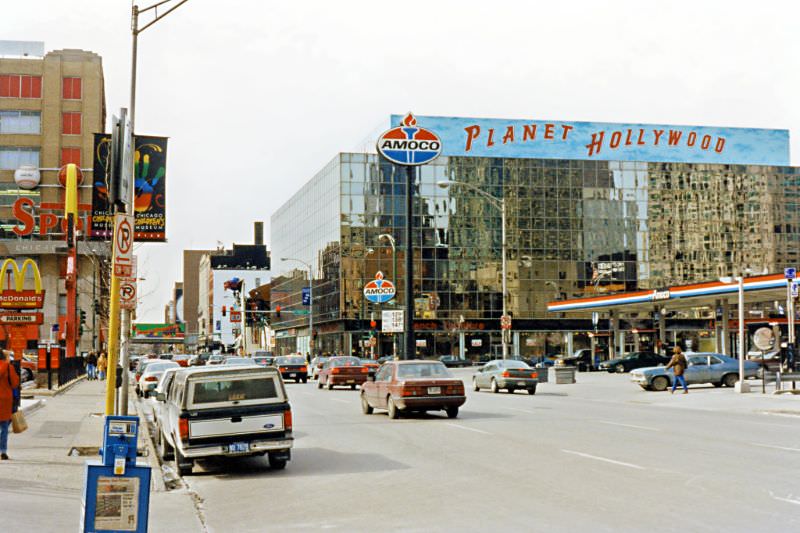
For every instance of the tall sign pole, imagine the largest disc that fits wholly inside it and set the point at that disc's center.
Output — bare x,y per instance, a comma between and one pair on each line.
409,145
70,174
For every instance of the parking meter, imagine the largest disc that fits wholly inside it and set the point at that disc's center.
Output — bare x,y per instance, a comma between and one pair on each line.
116,494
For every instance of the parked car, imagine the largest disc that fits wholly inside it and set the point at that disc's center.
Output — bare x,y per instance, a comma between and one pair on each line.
225,411
703,368
165,356
215,359
342,370
372,366
234,360
142,365
316,366
164,384
406,386
582,359
133,360
199,359
506,374
149,379
28,366
292,367
453,361
633,360
181,359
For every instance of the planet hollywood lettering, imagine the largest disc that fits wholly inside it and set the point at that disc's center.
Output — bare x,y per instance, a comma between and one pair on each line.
610,139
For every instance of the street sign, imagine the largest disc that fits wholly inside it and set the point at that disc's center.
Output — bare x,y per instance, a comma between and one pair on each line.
379,290
408,144
127,293
790,273
392,321
123,245
236,316
21,318
794,289
306,293
764,339
505,322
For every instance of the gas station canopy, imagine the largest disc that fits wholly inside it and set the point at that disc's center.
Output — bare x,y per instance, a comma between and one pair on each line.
764,288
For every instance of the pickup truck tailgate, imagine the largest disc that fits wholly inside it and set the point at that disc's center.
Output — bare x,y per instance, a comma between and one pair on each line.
236,425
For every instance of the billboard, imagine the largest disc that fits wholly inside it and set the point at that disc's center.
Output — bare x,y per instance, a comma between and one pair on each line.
159,331
149,174
558,139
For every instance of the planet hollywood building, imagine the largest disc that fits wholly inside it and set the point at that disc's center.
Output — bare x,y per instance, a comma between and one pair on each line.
592,209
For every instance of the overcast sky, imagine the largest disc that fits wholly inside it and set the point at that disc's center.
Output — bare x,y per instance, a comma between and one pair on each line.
256,96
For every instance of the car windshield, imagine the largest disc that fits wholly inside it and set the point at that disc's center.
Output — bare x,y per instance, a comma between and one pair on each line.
290,361
345,361
160,367
423,370
234,390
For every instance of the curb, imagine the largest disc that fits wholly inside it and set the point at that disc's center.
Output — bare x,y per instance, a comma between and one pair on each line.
152,455
33,407
53,392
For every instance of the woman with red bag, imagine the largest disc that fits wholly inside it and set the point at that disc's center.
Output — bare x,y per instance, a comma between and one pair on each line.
9,381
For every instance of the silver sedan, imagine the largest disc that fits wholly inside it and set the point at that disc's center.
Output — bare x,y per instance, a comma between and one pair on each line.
506,374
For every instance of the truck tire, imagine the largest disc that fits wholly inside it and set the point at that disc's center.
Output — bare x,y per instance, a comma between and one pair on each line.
275,463
184,465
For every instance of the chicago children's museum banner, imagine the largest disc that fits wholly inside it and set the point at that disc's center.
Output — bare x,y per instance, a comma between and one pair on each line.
554,139
150,167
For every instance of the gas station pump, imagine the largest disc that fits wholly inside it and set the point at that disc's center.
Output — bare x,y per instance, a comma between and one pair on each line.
116,494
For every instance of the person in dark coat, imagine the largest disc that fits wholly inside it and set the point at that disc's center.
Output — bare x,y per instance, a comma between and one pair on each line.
91,366
9,381
678,364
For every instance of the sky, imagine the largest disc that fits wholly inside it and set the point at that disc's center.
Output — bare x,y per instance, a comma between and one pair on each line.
257,96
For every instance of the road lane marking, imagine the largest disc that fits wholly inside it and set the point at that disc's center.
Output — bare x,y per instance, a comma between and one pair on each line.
459,426
776,447
520,410
627,425
787,500
604,459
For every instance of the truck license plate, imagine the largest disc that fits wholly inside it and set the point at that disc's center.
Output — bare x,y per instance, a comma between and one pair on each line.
238,447
434,390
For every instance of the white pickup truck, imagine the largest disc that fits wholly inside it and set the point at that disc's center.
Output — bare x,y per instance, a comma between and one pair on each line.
225,411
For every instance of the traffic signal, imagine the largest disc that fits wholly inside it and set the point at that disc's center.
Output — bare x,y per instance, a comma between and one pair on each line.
277,311
83,317
224,310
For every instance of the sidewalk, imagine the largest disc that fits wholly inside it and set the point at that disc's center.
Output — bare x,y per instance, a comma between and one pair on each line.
41,486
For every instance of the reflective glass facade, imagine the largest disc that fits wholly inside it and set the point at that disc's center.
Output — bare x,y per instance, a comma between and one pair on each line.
574,228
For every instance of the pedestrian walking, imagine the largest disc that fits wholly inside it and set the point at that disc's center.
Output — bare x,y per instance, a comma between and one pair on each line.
102,363
9,382
678,364
91,366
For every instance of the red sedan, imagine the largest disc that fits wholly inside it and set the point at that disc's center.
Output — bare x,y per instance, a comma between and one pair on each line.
343,370
402,386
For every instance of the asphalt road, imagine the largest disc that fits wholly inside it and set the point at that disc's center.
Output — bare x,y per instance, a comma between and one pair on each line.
600,455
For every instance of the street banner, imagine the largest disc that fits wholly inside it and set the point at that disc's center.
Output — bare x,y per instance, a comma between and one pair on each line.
159,331
150,166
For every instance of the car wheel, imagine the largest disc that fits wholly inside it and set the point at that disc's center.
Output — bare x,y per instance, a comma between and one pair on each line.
352,387
532,391
330,386
319,384
275,463
305,380
452,412
165,451
729,380
660,383
717,384
620,368
511,390
475,385
366,408
494,387
392,410
184,465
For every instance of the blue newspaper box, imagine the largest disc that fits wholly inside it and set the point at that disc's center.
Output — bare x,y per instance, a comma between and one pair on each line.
116,495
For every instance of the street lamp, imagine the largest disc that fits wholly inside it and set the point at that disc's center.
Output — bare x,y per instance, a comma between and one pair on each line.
310,302
741,386
381,237
499,203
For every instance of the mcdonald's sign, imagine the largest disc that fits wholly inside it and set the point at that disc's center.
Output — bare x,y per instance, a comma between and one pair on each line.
15,296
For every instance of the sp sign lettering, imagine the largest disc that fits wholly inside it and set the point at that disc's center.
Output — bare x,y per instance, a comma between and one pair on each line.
409,144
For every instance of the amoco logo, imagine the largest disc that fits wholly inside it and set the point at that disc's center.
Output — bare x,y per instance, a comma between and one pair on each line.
409,144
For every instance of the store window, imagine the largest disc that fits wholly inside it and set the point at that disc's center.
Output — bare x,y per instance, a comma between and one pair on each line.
20,122
72,89
13,157
71,123
16,86
71,155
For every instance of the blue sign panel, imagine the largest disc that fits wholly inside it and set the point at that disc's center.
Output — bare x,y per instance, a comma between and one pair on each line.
789,273
554,139
306,296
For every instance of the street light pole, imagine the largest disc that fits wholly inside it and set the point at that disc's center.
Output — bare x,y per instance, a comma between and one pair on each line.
394,280
741,386
499,203
310,302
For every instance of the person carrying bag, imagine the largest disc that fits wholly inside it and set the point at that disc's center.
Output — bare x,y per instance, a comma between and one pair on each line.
9,383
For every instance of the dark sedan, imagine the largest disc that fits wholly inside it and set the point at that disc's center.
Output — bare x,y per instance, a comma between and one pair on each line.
292,368
453,361
632,361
